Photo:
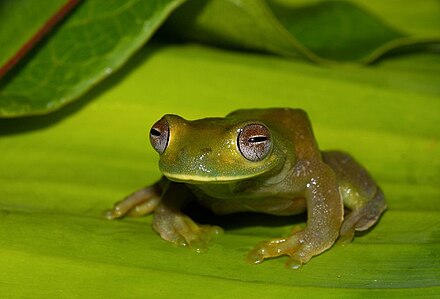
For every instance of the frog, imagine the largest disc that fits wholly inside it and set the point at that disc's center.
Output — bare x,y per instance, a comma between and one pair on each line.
255,160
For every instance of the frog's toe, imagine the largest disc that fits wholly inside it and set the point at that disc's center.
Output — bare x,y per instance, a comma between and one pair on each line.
346,237
294,263
199,237
183,231
199,240
111,214
259,253
273,248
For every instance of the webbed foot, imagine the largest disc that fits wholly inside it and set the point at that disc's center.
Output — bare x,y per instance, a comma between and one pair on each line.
301,246
183,231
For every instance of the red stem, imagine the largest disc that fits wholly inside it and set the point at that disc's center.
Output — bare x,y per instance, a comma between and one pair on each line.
57,17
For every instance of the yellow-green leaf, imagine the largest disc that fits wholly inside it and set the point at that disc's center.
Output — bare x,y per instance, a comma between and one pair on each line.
59,172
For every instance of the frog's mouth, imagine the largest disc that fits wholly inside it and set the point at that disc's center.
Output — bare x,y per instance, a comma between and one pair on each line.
197,179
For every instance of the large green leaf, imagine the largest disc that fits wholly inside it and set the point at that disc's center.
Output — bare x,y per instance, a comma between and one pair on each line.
96,39
59,172
329,32
100,36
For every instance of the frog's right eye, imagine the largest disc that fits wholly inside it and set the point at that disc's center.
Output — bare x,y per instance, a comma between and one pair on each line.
159,135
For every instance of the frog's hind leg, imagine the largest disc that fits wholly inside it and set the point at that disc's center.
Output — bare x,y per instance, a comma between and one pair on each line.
362,218
139,203
360,194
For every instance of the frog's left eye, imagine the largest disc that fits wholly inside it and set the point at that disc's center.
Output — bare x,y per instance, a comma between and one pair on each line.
159,135
254,142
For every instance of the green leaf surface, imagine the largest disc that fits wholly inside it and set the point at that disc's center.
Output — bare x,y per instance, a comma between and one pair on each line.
101,35
328,32
20,20
59,172
97,38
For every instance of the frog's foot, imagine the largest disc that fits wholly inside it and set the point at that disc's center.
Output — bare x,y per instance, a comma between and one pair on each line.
183,231
139,203
363,218
300,247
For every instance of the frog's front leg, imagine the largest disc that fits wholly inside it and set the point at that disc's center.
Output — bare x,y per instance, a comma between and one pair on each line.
139,203
324,218
176,227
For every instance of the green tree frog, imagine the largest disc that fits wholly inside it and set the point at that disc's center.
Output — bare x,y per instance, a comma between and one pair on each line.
259,160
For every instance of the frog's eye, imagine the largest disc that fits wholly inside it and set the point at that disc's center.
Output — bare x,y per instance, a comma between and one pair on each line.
254,142
159,135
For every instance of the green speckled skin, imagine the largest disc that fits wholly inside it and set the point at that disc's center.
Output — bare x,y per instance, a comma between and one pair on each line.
202,161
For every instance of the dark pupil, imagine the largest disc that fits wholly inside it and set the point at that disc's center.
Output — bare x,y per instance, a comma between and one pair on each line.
154,132
257,139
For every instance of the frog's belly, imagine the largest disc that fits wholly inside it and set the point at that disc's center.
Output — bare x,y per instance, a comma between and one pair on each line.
273,206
